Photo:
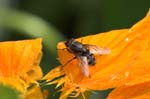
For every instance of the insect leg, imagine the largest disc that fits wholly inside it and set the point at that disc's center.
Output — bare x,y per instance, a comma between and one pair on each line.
62,49
66,49
68,62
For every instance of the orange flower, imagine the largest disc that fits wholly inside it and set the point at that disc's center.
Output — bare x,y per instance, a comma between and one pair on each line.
19,63
126,66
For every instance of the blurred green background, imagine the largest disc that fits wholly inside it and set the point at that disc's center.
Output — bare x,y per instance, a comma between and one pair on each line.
57,20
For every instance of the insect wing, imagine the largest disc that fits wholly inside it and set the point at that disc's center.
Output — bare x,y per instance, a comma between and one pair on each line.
83,63
98,50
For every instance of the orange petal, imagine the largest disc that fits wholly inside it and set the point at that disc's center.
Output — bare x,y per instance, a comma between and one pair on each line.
140,91
127,62
17,59
56,72
35,73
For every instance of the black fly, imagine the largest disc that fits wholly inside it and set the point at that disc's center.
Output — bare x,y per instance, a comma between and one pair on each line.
84,53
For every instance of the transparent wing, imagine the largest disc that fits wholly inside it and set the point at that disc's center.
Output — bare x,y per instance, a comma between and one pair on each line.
83,63
97,49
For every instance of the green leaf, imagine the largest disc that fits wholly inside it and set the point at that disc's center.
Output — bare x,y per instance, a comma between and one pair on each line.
7,93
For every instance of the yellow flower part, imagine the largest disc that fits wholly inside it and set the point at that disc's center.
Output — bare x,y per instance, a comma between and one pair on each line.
19,63
34,93
127,65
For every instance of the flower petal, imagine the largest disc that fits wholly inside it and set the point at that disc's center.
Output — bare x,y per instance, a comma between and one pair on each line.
17,57
18,61
128,59
56,72
140,91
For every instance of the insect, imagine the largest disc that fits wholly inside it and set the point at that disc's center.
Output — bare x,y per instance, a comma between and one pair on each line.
84,53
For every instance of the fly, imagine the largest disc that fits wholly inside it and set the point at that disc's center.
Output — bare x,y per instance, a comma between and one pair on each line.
84,53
